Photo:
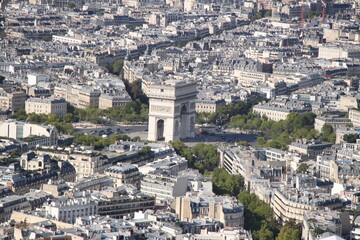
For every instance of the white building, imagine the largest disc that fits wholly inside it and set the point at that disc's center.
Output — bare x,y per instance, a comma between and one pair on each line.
164,186
35,78
34,134
46,106
68,209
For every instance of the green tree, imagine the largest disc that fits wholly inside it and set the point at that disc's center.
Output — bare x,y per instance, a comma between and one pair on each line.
260,141
351,138
303,167
289,233
206,154
225,183
259,217
327,133
182,150
264,233
268,13
117,67
68,118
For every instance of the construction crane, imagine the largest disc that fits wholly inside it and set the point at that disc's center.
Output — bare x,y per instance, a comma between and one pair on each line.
323,10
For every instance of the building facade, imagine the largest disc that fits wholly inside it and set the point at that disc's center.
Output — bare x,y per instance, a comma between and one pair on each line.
46,106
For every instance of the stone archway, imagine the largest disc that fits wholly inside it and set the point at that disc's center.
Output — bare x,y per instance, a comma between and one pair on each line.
160,130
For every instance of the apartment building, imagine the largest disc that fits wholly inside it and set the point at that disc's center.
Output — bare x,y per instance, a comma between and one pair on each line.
120,207
333,120
163,185
289,203
67,209
309,148
86,163
46,106
124,173
325,220
354,116
12,203
78,95
278,112
209,105
227,210
12,100
113,100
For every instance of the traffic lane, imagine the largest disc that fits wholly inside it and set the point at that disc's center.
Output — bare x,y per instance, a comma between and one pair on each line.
114,129
224,137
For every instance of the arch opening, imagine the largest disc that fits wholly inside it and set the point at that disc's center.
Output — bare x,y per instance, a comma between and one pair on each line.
160,130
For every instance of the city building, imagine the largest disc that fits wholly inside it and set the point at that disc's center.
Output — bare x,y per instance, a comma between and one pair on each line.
46,106
32,134
12,100
124,173
224,209
354,116
209,106
164,186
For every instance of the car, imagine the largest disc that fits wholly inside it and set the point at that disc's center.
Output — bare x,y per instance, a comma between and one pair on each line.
127,129
146,130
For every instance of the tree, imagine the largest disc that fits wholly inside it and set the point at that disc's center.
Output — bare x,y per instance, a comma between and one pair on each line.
207,155
225,183
69,118
117,67
264,233
289,233
259,217
182,150
351,138
327,133
260,141
303,167
268,13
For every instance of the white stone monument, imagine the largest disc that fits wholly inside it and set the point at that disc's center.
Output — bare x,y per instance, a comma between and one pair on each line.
171,109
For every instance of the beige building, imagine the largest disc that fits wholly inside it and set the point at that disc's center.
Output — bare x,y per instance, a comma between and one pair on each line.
277,112
13,203
79,96
224,209
290,203
333,120
310,148
113,100
46,106
250,76
347,102
12,100
354,116
85,163
209,106
339,52
124,174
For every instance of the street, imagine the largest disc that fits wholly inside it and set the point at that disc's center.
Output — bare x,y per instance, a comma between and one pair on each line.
212,135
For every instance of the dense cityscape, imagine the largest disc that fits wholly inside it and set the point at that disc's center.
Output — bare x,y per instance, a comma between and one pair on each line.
180,119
